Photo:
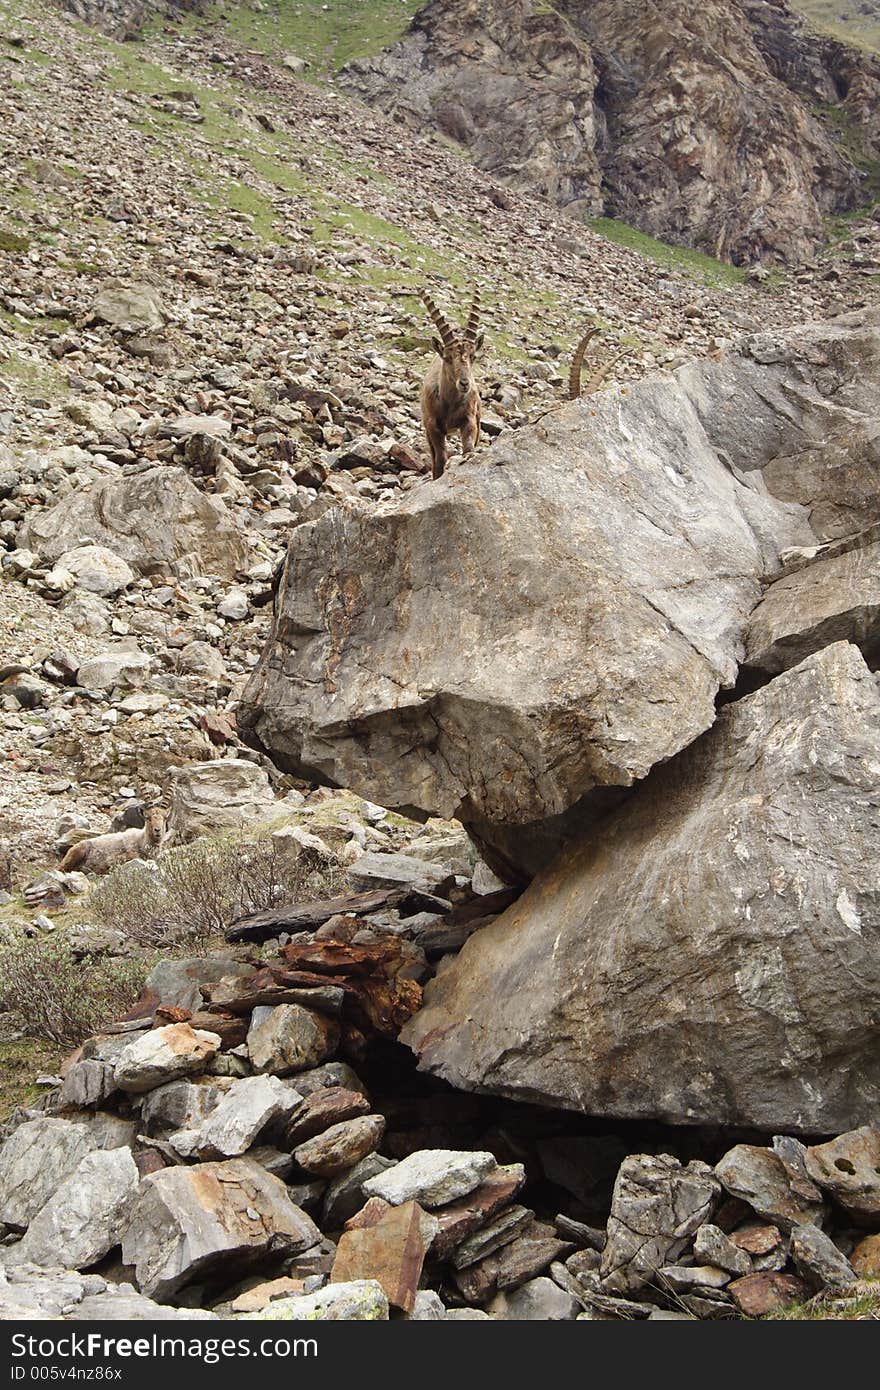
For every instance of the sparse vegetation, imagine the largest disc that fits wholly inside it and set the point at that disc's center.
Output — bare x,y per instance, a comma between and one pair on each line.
193,893
60,998
860,1304
717,274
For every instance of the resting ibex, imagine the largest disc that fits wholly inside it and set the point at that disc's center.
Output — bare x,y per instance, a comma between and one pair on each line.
450,399
577,362
101,853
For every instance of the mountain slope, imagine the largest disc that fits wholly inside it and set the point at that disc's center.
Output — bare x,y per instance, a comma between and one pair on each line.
733,128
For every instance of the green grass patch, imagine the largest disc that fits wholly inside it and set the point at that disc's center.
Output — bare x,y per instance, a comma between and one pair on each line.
327,35
12,243
715,274
20,1063
862,1306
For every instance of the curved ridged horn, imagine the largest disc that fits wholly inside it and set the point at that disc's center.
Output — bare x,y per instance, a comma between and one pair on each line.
470,331
600,374
442,324
574,376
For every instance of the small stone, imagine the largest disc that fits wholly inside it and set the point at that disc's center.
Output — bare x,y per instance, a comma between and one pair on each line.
538,1300
713,1247
759,1294
818,1260
341,1146
362,1300
432,1177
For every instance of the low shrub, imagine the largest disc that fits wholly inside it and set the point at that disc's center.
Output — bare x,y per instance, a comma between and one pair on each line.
188,896
62,998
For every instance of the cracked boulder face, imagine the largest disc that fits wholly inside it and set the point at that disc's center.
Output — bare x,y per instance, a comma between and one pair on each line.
697,963
520,641
657,1205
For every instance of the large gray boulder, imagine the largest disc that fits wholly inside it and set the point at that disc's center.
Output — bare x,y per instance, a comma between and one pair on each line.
85,1216
210,797
697,963
40,1155
157,521
515,643
833,599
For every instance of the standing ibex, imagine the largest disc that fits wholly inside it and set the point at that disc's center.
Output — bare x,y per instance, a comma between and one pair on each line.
450,399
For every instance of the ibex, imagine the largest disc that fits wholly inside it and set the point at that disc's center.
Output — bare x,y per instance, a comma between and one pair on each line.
101,853
577,362
450,399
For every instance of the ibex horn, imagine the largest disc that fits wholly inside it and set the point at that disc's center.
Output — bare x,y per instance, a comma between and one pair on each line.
442,324
574,376
473,318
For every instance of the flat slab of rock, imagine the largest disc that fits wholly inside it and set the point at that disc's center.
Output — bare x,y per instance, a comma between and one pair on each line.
432,1177
833,600
458,1220
759,1294
164,1054
392,1252
397,871
189,1222
361,1300
86,1215
702,1000
250,1104
329,1105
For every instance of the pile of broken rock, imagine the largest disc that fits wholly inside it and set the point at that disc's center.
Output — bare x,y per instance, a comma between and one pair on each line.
229,1163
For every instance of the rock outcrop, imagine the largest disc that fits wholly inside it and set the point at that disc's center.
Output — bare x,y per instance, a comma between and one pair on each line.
518,643
696,961
700,125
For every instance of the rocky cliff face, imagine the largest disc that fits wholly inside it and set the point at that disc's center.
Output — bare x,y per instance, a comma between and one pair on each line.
124,19
700,125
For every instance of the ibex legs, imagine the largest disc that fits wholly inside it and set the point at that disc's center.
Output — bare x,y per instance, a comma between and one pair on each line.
437,442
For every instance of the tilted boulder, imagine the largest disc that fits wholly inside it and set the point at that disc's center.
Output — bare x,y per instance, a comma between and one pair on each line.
157,521
213,796
696,963
830,600
517,642
658,1204
211,1217
85,1216
41,1154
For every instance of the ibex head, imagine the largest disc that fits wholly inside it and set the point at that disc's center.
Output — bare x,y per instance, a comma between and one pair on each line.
457,348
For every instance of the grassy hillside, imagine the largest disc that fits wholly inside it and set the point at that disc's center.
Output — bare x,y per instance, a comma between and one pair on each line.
326,35
853,21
